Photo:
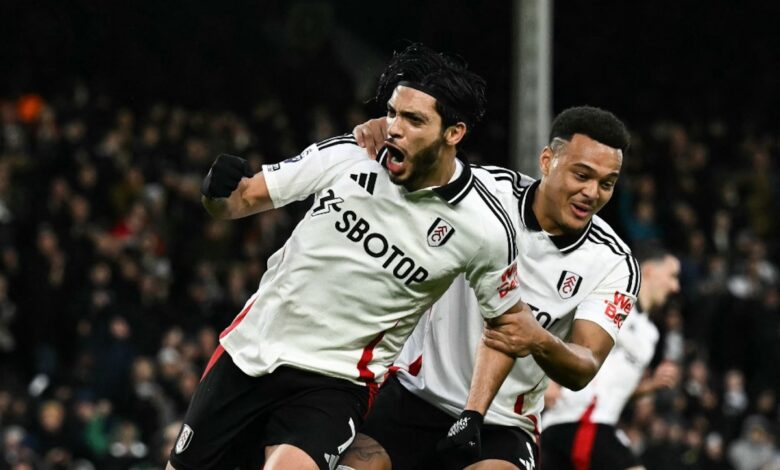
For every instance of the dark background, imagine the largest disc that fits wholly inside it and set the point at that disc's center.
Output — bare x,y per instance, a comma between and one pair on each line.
114,282
684,60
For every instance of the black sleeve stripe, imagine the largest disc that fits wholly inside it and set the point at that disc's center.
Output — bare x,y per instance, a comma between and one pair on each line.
633,266
599,235
505,217
632,277
498,210
345,139
612,238
502,174
638,277
338,137
509,175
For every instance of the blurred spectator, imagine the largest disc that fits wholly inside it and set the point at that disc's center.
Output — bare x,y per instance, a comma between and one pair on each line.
754,449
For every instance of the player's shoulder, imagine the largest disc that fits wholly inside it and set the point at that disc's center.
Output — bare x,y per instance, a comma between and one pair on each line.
343,145
340,153
342,142
603,236
492,210
613,254
503,179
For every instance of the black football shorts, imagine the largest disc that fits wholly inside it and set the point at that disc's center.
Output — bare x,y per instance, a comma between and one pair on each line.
409,428
232,417
570,446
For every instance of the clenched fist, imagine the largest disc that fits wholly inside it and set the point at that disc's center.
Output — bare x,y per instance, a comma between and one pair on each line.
225,174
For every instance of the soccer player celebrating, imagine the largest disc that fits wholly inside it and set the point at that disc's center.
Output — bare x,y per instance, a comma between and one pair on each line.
577,276
580,431
382,241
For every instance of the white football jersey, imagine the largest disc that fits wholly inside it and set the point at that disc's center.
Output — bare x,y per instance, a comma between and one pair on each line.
610,390
367,260
591,276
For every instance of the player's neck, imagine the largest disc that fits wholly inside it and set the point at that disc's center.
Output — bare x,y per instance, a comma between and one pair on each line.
538,206
440,174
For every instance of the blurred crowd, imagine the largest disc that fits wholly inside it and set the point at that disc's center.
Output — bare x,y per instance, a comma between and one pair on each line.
114,282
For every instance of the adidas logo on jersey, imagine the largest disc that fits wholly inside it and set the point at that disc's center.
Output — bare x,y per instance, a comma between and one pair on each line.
366,181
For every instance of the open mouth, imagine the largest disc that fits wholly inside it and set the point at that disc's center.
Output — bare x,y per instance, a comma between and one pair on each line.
580,210
395,159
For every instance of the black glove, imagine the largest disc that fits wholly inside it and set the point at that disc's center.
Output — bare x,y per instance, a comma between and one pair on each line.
224,175
464,435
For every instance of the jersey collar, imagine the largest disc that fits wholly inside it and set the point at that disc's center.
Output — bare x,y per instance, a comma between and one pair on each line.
566,243
454,191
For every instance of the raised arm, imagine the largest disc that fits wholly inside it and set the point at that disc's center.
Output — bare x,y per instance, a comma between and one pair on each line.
231,191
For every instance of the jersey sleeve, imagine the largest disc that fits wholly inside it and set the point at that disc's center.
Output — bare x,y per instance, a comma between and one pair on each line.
494,282
611,302
312,170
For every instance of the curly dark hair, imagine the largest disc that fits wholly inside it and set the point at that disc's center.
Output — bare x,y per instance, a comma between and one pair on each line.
459,92
596,123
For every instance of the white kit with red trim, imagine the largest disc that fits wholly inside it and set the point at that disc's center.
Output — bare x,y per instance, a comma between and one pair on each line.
588,276
615,382
368,258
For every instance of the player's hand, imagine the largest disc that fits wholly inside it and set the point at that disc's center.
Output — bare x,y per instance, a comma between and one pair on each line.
513,333
371,135
225,174
464,437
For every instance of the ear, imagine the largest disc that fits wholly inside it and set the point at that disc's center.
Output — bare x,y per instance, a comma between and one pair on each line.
455,133
545,160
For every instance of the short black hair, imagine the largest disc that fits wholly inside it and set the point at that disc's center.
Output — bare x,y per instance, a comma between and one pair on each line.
598,124
650,251
459,92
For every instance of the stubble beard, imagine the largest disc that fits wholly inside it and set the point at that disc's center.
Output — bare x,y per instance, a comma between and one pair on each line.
425,163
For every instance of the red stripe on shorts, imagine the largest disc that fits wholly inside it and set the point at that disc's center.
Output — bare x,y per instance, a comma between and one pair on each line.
584,437
214,358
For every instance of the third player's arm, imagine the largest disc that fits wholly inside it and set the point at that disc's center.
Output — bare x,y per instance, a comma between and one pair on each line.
490,369
250,197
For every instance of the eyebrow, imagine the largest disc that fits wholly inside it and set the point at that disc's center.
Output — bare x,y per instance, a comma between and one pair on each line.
590,169
409,114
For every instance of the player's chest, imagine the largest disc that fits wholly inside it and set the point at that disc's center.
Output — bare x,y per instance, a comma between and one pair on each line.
364,217
553,284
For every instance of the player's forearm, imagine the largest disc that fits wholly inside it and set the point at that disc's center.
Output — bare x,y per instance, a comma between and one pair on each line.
250,197
490,370
216,207
569,364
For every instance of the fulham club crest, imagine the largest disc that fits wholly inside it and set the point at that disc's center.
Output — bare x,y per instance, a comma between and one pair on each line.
569,284
184,439
440,232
